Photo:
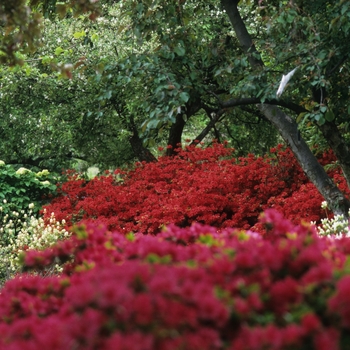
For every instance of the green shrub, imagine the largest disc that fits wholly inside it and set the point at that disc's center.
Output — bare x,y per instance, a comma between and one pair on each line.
21,187
22,194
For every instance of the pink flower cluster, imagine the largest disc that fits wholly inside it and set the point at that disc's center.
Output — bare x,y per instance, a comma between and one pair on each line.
185,288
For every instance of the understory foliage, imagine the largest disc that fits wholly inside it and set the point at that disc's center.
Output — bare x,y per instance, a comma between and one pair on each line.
22,194
186,288
21,188
208,186
24,232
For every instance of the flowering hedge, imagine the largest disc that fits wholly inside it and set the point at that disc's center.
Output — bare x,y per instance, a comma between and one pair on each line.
186,288
198,185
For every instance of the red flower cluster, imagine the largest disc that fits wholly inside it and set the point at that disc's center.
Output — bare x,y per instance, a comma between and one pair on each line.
186,288
198,185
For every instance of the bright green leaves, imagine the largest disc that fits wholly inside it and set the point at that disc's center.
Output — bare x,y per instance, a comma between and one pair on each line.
58,51
209,240
78,35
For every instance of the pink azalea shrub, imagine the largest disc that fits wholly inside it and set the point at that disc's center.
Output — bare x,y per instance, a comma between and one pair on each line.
198,185
185,288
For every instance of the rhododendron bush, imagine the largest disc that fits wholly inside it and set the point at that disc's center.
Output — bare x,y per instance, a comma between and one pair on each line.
198,185
185,288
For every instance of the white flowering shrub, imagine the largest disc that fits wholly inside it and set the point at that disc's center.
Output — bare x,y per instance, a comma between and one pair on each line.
23,231
336,227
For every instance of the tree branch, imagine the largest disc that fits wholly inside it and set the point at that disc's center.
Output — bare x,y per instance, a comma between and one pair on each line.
340,62
242,34
254,100
213,120
286,126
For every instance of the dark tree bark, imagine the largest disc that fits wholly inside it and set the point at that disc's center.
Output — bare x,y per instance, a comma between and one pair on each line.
175,134
286,126
337,143
288,129
141,152
215,118
136,143
176,129
332,134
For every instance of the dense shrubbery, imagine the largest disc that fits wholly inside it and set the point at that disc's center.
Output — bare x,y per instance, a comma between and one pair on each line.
198,185
26,233
22,194
189,288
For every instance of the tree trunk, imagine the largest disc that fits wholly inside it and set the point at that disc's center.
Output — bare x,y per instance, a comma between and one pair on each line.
286,126
176,129
209,126
141,152
288,129
337,143
175,134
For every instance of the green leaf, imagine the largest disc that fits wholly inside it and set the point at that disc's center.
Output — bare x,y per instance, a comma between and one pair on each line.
301,117
58,51
94,37
184,96
78,35
180,51
317,117
329,116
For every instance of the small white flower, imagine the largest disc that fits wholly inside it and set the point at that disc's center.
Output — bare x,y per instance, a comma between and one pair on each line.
324,205
45,182
22,171
44,172
2,163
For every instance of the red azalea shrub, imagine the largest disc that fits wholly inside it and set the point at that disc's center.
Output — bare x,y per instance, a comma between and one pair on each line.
186,288
198,185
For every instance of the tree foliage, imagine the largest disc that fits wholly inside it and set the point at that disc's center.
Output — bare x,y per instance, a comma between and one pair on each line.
168,64
22,23
125,92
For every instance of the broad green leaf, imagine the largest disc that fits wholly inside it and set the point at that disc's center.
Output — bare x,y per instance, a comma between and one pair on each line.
58,51
179,50
301,117
94,37
329,115
184,96
78,35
